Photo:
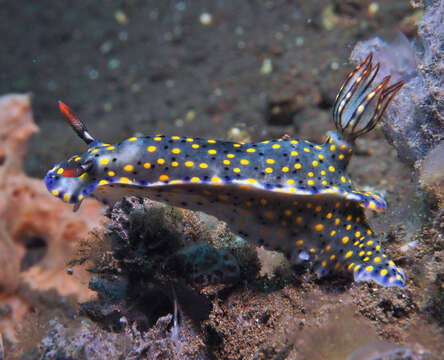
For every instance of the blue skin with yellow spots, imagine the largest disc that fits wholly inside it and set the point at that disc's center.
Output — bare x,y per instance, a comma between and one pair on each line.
288,195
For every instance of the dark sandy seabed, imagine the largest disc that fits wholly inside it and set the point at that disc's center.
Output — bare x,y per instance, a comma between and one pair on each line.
245,71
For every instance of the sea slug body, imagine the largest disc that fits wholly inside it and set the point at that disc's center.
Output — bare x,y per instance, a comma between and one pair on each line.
288,195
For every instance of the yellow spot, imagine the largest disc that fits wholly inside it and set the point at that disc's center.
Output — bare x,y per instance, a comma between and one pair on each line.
332,257
287,212
174,164
104,161
163,177
60,171
349,217
223,197
324,182
268,170
276,146
319,227
230,156
111,173
294,142
269,214
369,232
311,174
195,146
312,250
357,234
263,202
95,151
269,161
309,205
244,162
315,163
294,153
324,263
306,149
175,151
332,148
83,176
343,179
66,197
327,248
195,179
157,138
245,213
290,182
310,182
370,242
203,165
299,242
147,165
252,181
297,166
161,161
151,148
337,221
236,145
333,233
329,216
226,162
125,180
377,259
211,141
264,232
348,227
128,168
299,220
331,169
251,150
285,169
371,205
318,208
323,172
357,267
190,139
103,182
349,267
215,179
369,268
212,152
189,164
236,170
341,157
345,240
384,272
321,157
80,197
55,192
132,139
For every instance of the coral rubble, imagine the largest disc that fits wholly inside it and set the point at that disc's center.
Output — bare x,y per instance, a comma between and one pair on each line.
414,122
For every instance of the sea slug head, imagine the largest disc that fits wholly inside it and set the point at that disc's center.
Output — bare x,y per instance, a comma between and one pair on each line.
73,179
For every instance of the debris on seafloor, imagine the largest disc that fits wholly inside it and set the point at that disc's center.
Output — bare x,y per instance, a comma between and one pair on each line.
37,234
148,282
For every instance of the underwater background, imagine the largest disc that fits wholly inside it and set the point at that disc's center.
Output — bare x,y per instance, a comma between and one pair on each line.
149,281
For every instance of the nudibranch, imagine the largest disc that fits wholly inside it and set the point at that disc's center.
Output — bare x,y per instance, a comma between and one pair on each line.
289,195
